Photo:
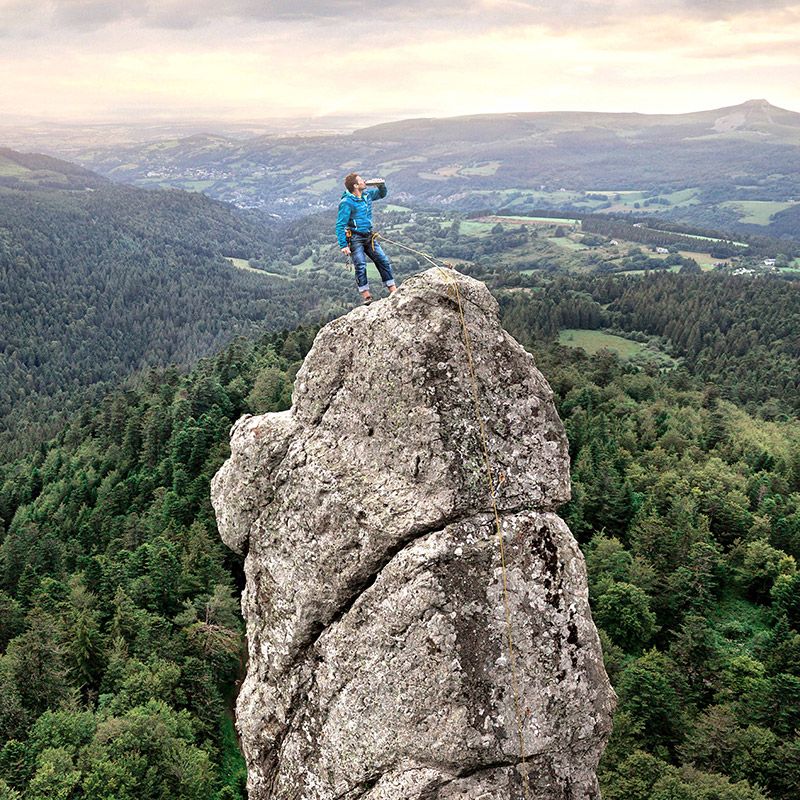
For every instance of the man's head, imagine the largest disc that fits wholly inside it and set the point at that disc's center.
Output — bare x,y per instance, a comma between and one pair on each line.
354,181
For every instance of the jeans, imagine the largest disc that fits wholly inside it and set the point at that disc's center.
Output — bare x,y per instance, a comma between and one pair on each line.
361,246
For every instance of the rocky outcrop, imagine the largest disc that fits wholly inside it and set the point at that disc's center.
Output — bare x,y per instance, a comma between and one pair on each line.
379,665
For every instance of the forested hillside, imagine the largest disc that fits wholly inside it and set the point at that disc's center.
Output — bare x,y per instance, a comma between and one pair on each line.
740,334
101,282
120,633
688,511
98,283
119,626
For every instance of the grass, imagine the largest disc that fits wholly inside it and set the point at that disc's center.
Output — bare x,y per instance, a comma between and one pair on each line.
487,168
241,263
612,192
474,228
683,197
306,265
712,239
9,169
403,162
233,770
196,186
704,260
592,341
324,185
538,220
566,243
756,212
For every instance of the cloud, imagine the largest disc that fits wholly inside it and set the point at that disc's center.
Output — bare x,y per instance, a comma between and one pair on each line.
242,59
38,17
356,18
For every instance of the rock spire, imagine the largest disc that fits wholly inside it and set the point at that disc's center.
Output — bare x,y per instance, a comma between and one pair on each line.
379,664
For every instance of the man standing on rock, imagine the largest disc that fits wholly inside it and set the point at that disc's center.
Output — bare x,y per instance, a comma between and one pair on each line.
355,235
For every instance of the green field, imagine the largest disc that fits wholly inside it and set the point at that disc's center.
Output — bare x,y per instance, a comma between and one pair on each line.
627,200
197,186
592,341
324,185
682,197
488,168
11,169
612,192
553,220
756,212
566,243
471,227
242,263
704,260
305,265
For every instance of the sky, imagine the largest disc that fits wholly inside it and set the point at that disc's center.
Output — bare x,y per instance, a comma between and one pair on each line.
242,60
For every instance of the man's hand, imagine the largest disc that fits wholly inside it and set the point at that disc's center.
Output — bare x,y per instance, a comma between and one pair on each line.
346,250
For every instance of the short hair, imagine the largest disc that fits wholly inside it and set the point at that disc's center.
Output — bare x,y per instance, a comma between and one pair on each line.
350,181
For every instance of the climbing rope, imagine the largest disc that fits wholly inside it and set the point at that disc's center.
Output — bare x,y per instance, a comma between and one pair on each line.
427,256
493,494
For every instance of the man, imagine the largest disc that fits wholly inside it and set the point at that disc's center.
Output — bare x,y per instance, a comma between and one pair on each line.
355,220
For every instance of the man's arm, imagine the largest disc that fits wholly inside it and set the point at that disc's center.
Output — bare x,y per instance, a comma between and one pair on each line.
377,190
341,222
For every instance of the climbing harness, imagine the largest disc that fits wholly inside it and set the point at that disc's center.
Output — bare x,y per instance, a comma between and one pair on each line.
493,494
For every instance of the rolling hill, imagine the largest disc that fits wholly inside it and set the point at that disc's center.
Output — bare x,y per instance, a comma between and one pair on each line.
683,166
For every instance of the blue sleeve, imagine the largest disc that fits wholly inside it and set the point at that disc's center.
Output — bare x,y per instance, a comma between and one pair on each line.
378,192
341,221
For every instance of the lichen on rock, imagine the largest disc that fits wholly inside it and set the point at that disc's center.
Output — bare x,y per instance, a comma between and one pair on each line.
379,665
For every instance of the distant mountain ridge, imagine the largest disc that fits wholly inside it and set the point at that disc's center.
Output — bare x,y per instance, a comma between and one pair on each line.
704,168
752,115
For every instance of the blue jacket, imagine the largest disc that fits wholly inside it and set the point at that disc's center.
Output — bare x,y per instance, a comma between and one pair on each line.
356,213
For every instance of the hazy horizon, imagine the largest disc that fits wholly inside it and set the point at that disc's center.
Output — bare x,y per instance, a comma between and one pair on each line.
242,61
299,124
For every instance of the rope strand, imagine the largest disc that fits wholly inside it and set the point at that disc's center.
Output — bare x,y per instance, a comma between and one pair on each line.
427,256
492,492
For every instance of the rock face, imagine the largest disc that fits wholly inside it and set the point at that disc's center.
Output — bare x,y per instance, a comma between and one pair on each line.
379,664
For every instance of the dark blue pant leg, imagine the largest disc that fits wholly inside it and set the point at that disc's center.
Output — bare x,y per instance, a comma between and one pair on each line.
359,262
381,260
